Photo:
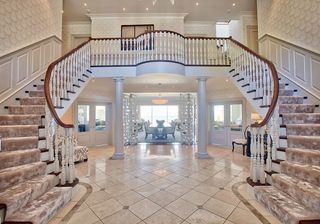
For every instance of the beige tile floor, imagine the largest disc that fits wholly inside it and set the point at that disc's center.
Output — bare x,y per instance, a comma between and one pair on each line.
162,184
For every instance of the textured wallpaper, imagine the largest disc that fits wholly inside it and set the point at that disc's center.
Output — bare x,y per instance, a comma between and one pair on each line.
111,26
295,21
24,22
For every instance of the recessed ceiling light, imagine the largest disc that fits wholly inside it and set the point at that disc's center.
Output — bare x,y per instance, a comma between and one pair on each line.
147,9
197,3
233,4
85,4
123,9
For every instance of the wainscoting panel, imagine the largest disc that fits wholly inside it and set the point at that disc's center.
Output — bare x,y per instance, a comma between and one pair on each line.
285,58
35,60
5,75
21,67
315,73
299,65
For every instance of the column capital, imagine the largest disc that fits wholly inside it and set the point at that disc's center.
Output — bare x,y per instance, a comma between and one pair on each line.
118,79
203,79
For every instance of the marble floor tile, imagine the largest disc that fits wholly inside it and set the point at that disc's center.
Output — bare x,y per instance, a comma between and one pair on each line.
206,189
219,208
121,217
195,197
202,216
240,216
97,197
162,198
147,190
86,216
163,217
106,208
129,198
181,208
144,208
228,197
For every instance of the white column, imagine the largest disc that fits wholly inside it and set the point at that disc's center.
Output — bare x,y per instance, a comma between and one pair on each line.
118,118
202,120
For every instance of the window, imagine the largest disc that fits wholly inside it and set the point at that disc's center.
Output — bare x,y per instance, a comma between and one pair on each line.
153,113
236,117
83,118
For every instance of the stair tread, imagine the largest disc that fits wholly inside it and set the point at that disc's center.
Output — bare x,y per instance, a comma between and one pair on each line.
17,174
283,206
26,191
19,138
305,156
43,208
18,157
301,191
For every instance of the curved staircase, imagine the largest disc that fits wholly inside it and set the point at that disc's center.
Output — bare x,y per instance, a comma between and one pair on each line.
294,196
27,192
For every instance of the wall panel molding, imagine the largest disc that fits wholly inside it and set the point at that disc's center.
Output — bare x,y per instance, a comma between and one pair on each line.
299,65
23,66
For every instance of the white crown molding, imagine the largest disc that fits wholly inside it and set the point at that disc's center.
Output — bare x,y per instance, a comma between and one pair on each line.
77,23
199,23
130,15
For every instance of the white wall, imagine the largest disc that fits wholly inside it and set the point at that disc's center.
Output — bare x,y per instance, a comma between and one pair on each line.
203,29
295,21
238,28
26,22
109,25
71,30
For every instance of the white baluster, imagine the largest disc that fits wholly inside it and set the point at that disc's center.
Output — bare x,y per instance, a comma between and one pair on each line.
261,168
156,47
152,46
71,156
165,46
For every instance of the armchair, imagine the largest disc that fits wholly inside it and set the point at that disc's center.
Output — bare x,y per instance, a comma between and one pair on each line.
149,130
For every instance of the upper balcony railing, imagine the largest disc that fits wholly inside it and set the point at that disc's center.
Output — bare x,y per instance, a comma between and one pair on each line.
160,45
65,75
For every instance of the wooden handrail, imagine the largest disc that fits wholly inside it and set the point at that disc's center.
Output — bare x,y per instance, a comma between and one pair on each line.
275,78
47,85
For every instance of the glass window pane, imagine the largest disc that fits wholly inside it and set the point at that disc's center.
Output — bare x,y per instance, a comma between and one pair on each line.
156,112
83,118
236,117
100,118
218,117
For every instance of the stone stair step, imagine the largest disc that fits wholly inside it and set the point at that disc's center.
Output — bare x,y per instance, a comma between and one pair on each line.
19,143
301,118
302,172
19,195
283,206
19,130
20,120
17,174
286,92
304,142
303,129
36,93
30,109
290,100
303,156
43,208
32,101
296,108
301,191
19,157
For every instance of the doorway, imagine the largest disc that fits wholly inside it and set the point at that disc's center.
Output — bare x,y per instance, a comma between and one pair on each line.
94,123
226,122
252,38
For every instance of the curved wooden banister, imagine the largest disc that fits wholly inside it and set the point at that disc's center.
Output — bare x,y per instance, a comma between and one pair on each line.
275,78
47,85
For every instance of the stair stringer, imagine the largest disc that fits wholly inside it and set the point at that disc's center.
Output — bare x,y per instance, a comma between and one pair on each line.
66,104
249,97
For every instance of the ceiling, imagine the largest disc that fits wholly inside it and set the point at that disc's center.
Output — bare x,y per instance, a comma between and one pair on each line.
206,10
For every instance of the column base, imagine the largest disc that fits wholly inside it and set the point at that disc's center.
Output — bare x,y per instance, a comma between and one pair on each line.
117,156
201,155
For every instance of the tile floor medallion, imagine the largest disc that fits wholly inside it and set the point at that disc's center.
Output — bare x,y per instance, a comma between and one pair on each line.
163,184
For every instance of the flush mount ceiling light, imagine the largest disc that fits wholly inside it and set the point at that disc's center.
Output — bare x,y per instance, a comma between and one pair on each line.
155,1
159,100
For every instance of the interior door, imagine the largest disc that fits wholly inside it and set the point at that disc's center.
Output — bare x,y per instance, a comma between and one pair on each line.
218,129
94,124
252,38
226,122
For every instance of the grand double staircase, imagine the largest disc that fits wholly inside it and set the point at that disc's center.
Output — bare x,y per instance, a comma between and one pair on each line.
35,183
